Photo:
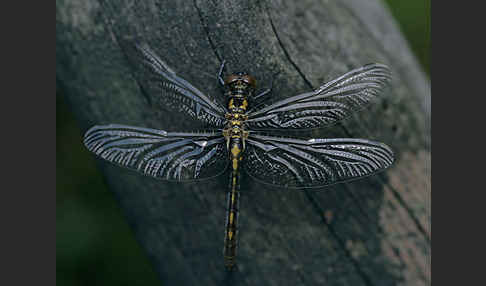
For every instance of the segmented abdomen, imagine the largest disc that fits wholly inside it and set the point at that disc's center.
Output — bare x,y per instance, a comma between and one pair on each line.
231,233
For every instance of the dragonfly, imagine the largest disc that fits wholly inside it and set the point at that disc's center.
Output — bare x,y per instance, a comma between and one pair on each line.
237,139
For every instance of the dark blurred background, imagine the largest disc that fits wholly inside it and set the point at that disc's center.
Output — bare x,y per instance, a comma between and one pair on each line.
94,245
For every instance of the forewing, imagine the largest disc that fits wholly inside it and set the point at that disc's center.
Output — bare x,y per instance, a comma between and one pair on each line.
328,104
296,163
160,154
162,83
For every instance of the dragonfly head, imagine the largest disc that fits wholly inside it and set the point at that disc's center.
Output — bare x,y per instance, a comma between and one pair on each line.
240,82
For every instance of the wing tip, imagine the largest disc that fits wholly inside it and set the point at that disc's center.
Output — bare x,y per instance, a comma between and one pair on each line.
387,73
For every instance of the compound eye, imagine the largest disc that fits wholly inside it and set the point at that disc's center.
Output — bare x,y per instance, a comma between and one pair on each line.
249,80
230,79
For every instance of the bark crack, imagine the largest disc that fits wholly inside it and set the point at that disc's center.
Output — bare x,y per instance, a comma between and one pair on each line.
381,179
381,232
206,30
402,202
287,55
342,244
309,196
347,132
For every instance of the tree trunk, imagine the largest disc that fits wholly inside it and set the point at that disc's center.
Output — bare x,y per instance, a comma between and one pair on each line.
373,231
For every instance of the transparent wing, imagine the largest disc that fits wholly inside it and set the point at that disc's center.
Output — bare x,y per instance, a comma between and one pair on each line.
296,163
160,154
328,104
161,82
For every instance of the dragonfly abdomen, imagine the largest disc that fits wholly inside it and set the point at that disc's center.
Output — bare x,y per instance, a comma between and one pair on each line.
231,239
231,233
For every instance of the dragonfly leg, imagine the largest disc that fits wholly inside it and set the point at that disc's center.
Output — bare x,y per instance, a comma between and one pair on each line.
266,91
220,73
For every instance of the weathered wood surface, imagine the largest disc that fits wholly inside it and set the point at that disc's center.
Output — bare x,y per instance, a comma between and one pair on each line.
374,231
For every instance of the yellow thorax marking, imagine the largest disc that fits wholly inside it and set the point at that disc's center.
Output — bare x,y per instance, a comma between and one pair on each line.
235,131
235,150
244,104
231,217
230,234
234,187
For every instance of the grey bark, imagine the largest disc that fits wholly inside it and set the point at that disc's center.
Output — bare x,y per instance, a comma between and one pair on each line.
374,231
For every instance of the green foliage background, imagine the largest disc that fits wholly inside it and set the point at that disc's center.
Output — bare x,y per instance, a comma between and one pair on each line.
94,245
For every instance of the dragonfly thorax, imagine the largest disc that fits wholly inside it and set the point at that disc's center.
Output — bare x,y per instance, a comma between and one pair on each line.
237,104
238,88
235,132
